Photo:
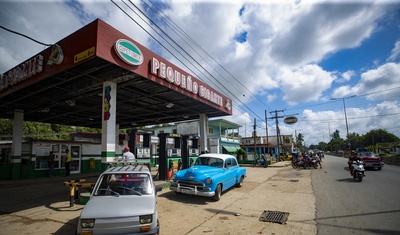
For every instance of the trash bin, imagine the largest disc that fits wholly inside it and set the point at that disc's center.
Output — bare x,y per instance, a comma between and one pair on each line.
92,163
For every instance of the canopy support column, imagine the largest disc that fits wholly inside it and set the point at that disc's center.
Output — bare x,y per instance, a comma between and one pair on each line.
109,118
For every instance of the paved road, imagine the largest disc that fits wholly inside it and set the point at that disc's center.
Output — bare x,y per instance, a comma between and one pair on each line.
346,206
42,206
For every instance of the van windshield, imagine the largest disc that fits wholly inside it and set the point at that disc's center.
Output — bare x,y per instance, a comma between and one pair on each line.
125,184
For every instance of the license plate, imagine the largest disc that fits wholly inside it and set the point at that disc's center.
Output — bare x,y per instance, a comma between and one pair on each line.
187,191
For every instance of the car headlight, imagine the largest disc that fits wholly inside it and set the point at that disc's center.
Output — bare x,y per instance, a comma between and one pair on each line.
146,219
173,176
208,180
87,223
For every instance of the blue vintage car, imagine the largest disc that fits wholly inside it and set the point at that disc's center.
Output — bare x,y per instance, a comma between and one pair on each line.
210,175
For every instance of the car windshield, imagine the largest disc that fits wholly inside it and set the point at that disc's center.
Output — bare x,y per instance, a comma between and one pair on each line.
124,184
366,154
209,161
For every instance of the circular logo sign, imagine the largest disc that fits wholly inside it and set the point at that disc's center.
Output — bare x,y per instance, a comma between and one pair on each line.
128,52
290,120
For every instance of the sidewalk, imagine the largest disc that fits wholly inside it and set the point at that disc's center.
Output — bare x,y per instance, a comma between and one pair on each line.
281,164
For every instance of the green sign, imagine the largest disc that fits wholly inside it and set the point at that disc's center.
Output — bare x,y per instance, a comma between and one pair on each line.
128,52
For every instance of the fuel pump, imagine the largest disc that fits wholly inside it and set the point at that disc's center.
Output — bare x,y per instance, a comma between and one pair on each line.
170,155
190,150
140,143
194,150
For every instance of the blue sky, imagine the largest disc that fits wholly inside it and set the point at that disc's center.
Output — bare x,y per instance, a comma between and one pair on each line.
265,55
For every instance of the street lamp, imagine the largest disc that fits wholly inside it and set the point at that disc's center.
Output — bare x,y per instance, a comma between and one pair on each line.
329,128
345,115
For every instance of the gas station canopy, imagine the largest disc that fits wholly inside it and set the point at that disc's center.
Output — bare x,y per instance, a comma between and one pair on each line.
64,84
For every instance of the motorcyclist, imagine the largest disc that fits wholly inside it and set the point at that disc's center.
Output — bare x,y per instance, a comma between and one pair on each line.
354,157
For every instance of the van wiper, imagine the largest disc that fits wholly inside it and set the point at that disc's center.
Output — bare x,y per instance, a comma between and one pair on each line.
109,190
131,190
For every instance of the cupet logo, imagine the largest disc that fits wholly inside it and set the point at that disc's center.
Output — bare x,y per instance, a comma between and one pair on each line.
128,52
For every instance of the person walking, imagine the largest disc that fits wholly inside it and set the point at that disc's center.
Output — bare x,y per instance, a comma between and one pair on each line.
68,160
51,164
128,156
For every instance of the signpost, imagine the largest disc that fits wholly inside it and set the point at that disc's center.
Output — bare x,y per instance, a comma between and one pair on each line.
290,120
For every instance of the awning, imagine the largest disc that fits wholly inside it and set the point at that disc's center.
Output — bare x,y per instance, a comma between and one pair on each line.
231,149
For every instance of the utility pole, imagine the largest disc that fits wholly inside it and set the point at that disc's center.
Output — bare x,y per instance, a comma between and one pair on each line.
277,127
266,130
255,138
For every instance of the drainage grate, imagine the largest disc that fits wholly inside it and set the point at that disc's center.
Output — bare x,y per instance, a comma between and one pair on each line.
274,216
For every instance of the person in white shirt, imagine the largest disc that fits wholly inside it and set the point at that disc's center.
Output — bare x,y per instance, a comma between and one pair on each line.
317,159
128,156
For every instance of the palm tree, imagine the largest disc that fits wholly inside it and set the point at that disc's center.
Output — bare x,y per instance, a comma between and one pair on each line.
299,140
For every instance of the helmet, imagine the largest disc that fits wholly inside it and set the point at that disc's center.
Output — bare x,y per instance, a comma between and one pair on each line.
126,148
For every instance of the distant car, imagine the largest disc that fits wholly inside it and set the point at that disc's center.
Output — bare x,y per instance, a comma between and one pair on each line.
123,201
210,175
370,160
360,150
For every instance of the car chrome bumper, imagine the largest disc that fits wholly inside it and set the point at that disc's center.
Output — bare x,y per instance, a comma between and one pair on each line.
192,191
373,164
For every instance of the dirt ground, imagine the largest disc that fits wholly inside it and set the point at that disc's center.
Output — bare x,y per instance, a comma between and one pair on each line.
42,206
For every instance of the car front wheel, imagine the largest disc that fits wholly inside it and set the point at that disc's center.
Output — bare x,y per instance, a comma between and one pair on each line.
218,192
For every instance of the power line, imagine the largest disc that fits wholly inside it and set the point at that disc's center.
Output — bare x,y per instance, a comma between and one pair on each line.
375,116
324,103
233,96
23,35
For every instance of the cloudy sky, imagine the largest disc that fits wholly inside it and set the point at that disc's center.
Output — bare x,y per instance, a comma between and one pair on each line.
292,57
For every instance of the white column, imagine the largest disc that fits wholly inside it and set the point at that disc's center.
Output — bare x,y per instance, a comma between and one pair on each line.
203,123
16,148
108,122
17,136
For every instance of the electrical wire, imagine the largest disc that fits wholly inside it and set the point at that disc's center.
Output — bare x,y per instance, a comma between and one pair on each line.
23,35
174,48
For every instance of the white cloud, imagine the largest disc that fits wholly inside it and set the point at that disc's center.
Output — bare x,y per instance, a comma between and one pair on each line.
316,125
348,75
380,83
304,84
395,52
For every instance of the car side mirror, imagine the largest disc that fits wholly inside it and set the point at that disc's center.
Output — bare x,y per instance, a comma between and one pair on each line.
158,188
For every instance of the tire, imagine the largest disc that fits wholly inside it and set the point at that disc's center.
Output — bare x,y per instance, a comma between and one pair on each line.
379,168
240,184
218,192
359,176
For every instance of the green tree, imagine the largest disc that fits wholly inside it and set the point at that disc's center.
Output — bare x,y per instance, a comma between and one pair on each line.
336,135
299,140
355,140
6,129
373,137
241,154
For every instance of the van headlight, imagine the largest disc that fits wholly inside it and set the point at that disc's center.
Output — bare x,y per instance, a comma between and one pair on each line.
87,223
146,219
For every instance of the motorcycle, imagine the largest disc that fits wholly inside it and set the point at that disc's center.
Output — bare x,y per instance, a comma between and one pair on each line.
300,163
312,163
260,162
358,170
